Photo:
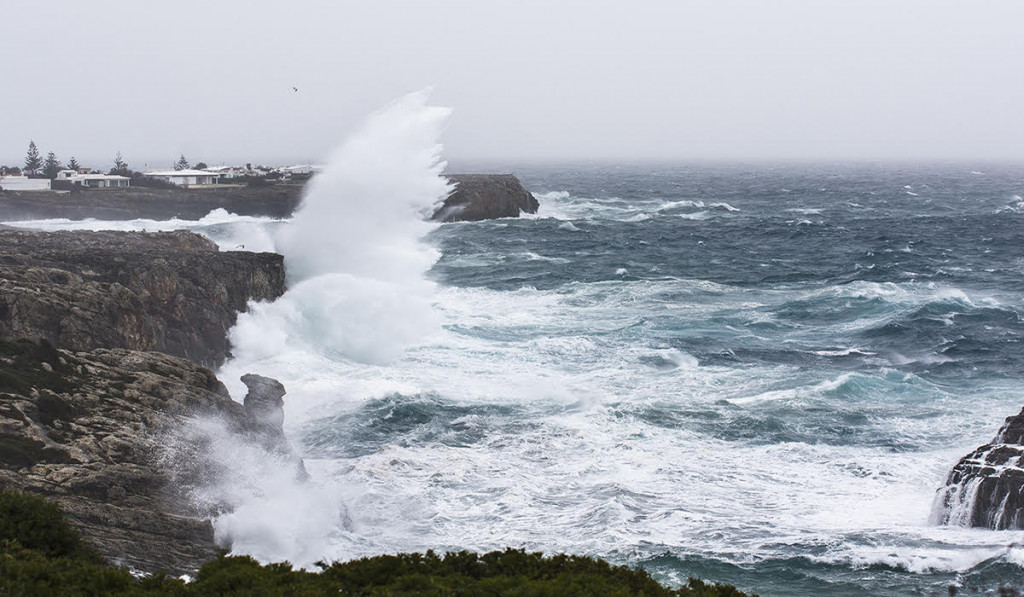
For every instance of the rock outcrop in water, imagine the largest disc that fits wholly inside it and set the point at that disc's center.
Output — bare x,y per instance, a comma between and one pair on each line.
110,436
173,292
264,418
986,488
485,197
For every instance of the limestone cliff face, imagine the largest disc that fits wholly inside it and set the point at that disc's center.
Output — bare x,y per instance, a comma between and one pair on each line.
114,437
172,292
986,487
485,197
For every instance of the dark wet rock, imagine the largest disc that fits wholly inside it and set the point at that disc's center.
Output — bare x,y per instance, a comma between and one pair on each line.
173,292
264,417
485,197
115,438
986,487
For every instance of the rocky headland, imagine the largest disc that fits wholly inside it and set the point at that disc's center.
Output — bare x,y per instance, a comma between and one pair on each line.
173,292
475,197
986,487
107,404
109,435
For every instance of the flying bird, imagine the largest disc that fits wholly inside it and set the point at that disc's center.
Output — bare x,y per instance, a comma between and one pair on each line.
295,88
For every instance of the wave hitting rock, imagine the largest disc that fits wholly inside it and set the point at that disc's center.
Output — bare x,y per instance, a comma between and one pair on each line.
986,487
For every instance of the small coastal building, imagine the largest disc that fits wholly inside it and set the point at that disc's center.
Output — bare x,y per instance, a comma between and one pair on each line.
23,183
185,178
301,169
95,181
227,172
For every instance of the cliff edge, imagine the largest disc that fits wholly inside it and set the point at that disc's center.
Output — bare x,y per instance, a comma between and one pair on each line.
120,440
173,292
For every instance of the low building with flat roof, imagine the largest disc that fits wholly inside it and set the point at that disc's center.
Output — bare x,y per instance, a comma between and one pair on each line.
185,178
23,183
95,181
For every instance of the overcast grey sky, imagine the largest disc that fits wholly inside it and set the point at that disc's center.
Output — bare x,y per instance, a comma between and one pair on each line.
213,79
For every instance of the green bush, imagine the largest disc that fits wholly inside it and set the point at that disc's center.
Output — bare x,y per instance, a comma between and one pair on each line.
38,525
40,554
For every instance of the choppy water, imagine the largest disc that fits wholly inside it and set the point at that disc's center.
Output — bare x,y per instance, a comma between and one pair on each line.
752,374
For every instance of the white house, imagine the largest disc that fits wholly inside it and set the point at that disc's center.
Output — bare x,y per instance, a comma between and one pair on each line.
185,178
302,169
24,183
97,181
228,171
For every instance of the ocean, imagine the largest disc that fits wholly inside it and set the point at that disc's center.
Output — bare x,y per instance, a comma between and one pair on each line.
751,373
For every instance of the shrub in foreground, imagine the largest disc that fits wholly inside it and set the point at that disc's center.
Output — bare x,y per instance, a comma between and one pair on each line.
40,554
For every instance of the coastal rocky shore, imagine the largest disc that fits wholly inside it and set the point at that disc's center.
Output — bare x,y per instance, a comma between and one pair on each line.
100,412
986,487
107,403
111,437
475,197
173,292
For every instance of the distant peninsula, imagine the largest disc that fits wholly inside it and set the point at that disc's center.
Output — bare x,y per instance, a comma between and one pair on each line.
475,197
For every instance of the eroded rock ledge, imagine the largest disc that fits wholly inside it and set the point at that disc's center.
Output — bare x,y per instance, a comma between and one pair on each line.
120,440
173,292
986,487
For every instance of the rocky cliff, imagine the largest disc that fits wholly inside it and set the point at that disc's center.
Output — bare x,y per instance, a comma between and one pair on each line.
986,488
113,436
476,197
485,197
170,291
276,201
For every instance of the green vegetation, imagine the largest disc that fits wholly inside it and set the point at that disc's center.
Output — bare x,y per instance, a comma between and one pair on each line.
32,160
120,166
41,555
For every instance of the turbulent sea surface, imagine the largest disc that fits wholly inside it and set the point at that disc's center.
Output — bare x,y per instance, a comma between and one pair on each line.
747,373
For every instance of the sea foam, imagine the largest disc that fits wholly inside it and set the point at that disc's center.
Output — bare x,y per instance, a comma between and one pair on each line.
356,263
353,251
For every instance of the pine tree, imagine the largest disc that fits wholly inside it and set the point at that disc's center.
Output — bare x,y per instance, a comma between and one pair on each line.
73,164
120,166
51,166
32,161
182,163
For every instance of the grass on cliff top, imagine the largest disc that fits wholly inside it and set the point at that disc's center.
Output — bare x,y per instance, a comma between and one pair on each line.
40,554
